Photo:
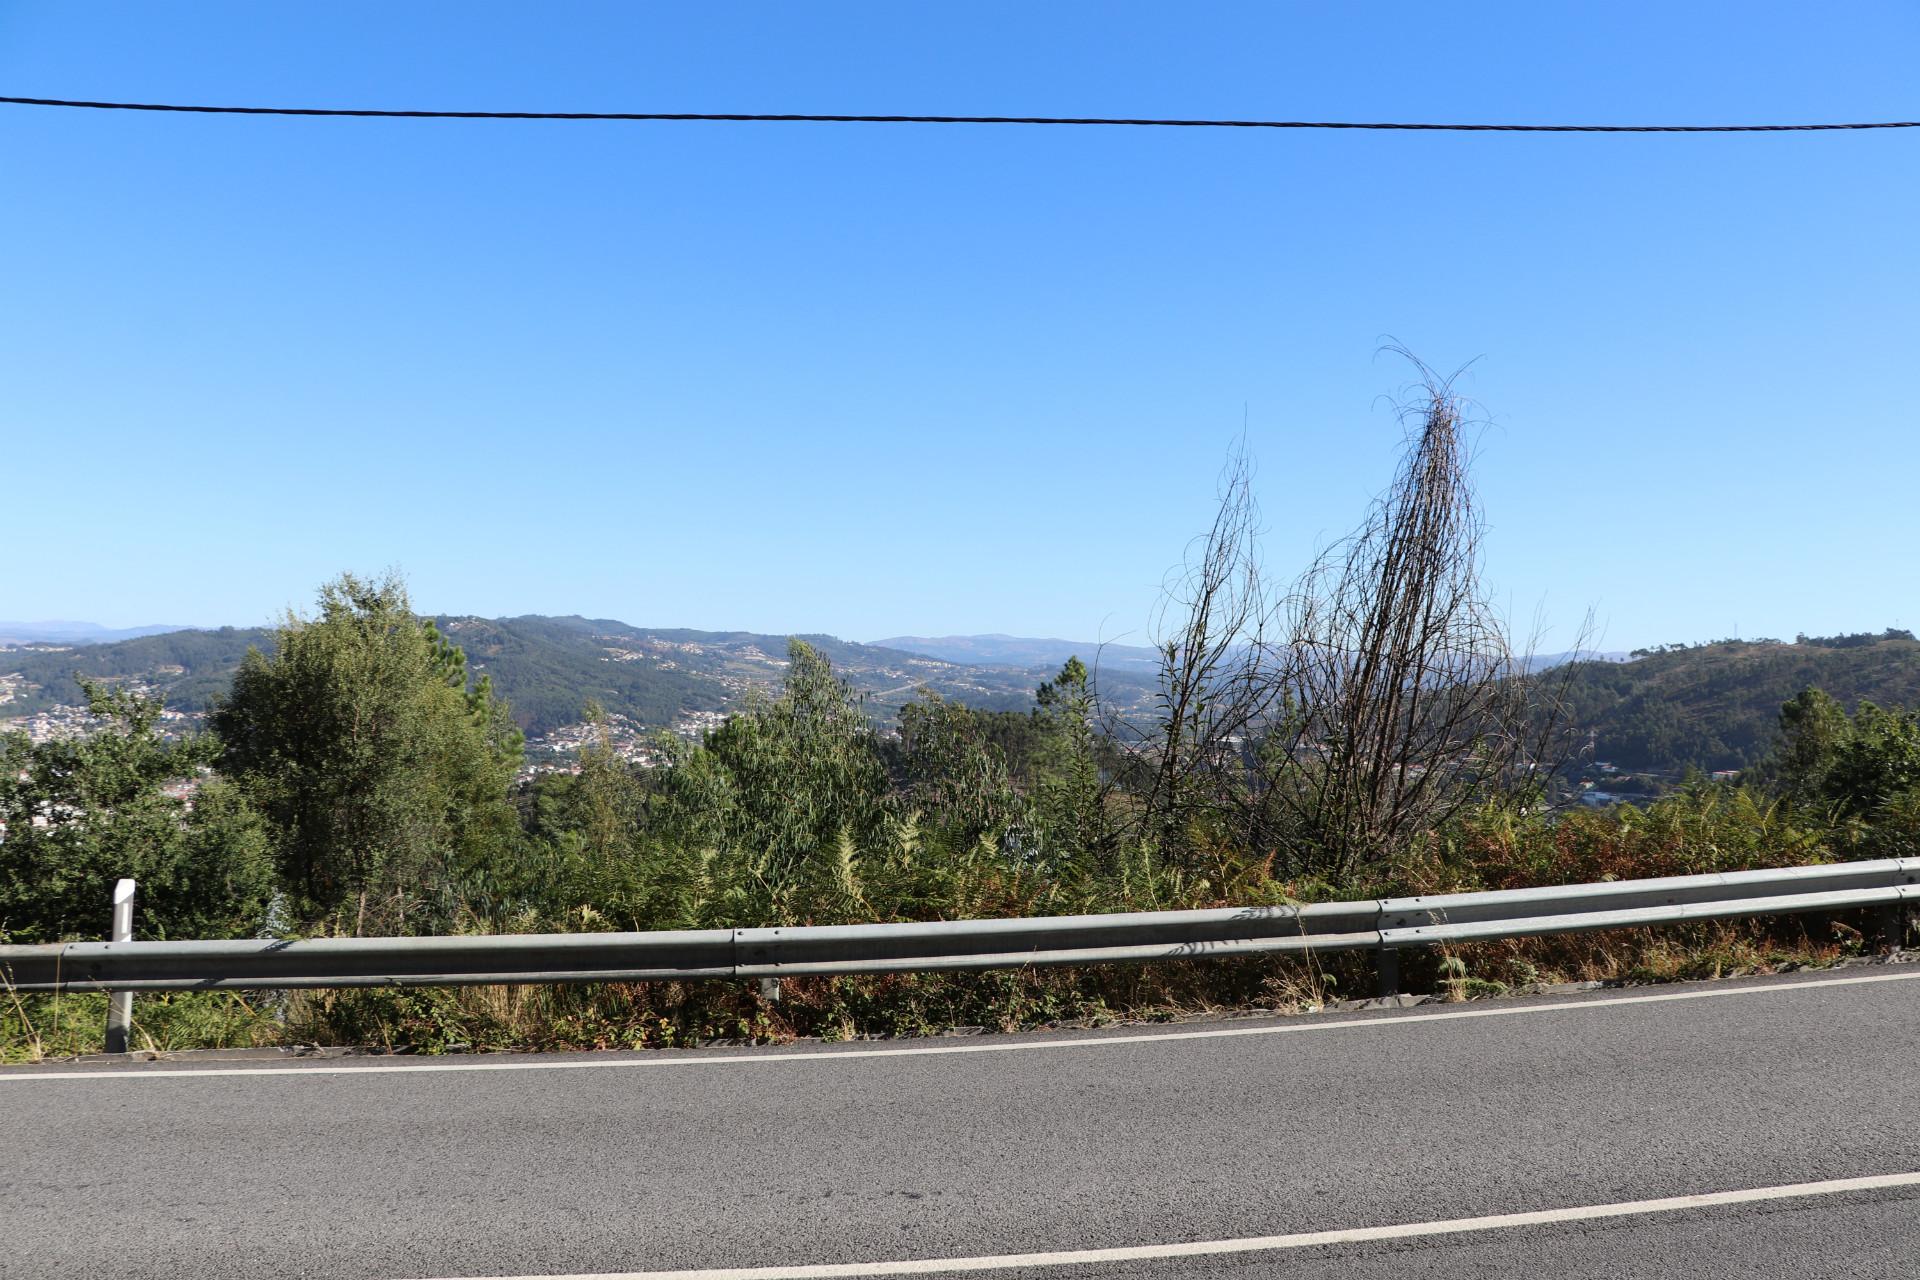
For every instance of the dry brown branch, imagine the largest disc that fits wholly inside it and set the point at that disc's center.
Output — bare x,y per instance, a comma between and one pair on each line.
1408,699
1374,701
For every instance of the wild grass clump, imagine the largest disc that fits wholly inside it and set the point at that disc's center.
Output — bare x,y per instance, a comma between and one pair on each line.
35,1026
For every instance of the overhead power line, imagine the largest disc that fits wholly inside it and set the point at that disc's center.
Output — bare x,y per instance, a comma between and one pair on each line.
1096,121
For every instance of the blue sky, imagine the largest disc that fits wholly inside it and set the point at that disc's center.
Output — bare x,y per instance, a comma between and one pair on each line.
878,380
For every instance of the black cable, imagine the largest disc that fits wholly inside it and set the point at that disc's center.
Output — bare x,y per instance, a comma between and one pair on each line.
747,118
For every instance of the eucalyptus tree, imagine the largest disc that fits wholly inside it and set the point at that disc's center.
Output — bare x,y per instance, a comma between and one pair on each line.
785,786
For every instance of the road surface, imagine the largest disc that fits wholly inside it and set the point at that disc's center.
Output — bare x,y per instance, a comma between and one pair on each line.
1334,1145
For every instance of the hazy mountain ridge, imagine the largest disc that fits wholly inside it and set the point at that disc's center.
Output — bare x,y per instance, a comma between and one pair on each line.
1032,651
78,632
1024,651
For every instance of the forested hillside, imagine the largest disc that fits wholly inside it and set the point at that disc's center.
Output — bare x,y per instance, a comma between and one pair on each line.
1717,706
1710,706
189,668
548,669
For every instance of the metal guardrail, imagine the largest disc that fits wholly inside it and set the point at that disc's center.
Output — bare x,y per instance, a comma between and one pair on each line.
1382,925
698,953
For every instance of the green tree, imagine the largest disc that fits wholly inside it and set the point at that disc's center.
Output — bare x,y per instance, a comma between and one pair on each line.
955,774
782,799
81,813
384,777
1862,773
605,803
488,711
591,820
1812,729
1877,763
1066,770
1852,766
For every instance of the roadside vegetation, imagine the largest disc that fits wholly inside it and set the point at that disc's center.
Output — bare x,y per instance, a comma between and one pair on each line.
1367,727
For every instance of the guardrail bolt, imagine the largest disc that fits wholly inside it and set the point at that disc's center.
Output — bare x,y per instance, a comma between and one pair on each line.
120,1003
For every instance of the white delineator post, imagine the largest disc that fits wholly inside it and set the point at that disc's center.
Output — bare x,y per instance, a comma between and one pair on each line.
120,1003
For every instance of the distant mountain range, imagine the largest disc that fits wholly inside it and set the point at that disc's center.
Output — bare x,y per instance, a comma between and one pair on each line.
75,632
1024,651
1711,706
1547,661
1027,651
549,668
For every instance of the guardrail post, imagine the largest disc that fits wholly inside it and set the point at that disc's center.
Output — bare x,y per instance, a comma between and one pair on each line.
770,990
1386,957
120,1003
1389,967
1891,924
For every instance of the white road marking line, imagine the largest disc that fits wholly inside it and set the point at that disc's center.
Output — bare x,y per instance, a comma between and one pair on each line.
1261,1244
775,1055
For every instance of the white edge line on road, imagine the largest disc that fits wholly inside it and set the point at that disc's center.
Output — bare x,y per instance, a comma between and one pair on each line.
1259,1244
771,1056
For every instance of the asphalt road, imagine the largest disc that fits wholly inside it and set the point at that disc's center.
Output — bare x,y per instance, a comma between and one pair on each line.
1064,1142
